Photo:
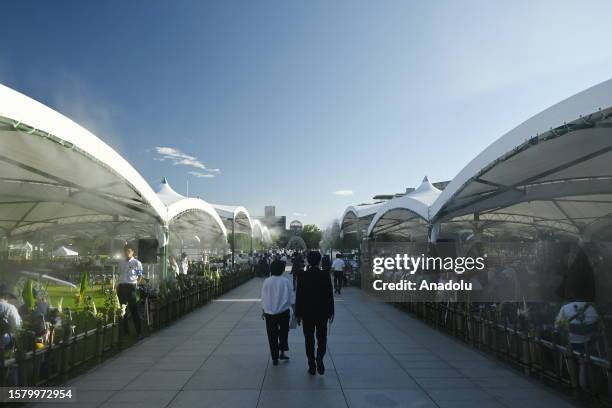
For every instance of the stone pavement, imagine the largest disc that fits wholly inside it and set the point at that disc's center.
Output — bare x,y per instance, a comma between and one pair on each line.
378,356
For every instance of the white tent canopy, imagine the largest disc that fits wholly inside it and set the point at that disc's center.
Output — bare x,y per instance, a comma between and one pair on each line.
551,173
236,214
25,246
64,252
191,219
358,217
398,214
56,174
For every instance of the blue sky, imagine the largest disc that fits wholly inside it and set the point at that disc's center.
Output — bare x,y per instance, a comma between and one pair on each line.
285,103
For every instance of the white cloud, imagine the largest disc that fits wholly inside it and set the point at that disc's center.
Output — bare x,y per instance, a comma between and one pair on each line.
343,192
179,158
199,174
297,214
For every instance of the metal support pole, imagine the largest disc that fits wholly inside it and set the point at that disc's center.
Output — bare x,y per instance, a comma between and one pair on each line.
233,240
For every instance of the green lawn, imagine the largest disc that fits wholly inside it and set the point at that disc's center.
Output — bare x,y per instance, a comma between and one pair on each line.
56,292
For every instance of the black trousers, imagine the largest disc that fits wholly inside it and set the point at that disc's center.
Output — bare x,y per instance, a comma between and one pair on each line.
315,326
277,326
127,295
338,280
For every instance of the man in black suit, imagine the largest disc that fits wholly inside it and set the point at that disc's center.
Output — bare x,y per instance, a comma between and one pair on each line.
314,306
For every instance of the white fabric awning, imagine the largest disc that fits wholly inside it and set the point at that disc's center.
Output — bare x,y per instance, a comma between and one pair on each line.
357,218
63,251
395,215
553,172
191,218
54,173
242,220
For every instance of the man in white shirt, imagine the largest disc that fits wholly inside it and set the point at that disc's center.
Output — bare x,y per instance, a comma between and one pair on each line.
10,321
276,300
338,271
130,270
184,266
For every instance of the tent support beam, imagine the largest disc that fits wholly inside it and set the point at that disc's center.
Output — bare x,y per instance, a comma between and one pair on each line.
531,179
23,217
68,184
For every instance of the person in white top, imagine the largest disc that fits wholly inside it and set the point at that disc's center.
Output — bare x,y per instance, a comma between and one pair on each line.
130,271
580,319
338,270
10,321
184,266
276,301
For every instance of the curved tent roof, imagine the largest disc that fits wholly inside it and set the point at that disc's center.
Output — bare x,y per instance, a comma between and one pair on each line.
553,171
54,172
395,214
240,215
189,216
354,213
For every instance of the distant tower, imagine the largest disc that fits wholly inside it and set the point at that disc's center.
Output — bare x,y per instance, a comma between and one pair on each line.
269,211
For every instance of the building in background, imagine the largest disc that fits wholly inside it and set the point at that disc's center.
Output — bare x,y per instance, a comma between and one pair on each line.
271,220
296,226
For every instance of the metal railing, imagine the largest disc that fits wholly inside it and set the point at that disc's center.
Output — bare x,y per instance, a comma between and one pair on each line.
56,363
582,374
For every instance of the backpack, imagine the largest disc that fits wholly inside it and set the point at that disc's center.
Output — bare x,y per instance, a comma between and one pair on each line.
578,326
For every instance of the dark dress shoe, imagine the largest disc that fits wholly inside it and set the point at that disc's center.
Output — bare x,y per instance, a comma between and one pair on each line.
320,366
275,362
312,369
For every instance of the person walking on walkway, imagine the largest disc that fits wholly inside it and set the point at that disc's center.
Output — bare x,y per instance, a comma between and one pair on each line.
130,270
276,300
314,307
338,268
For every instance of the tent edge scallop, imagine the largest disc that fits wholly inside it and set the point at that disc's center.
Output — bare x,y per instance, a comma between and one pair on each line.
230,212
190,204
25,111
587,102
361,211
418,201
178,204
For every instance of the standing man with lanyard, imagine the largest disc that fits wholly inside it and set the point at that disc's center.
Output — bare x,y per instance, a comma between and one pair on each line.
130,270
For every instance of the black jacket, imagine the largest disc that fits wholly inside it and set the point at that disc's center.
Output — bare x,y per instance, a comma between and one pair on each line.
314,296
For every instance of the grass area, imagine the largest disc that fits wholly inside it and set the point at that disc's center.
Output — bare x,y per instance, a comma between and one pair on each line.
56,292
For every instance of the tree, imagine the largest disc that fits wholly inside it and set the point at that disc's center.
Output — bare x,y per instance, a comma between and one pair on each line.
311,234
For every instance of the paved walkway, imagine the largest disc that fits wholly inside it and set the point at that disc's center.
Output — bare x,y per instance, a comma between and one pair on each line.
378,357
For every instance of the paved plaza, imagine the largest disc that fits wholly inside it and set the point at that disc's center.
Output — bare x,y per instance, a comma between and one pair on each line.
217,357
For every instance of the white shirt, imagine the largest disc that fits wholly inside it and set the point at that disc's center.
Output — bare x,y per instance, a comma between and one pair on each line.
338,265
568,311
130,270
276,295
11,313
184,266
